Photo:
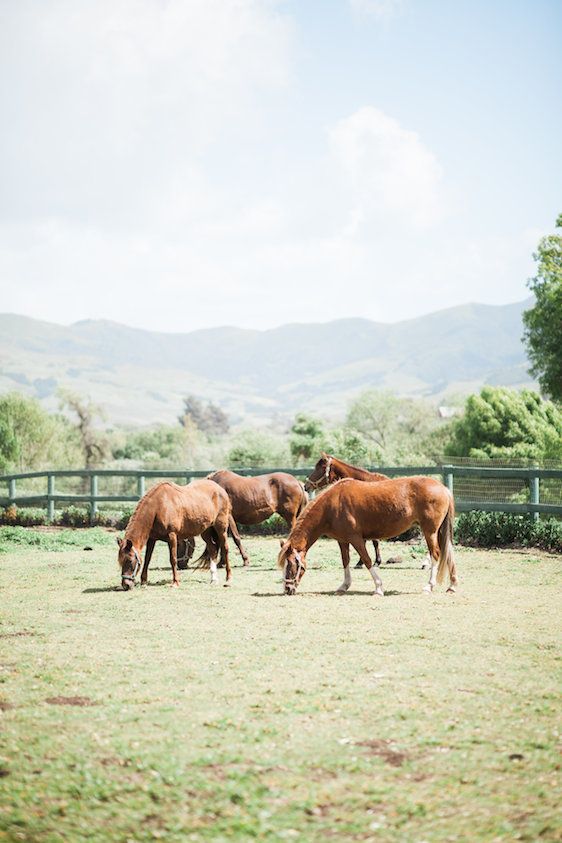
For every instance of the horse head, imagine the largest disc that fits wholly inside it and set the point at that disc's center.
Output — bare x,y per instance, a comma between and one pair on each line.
129,561
322,474
293,563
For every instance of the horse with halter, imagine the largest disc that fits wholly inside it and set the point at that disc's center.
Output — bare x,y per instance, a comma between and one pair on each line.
352,512
172,513
329,469
254,499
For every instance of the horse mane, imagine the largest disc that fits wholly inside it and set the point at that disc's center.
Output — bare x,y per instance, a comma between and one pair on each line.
142,504
307,512
362,471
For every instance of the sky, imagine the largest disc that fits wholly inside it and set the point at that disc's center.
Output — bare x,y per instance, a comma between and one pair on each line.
182,164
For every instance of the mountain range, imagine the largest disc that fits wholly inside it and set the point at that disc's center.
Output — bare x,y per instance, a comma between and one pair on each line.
140,377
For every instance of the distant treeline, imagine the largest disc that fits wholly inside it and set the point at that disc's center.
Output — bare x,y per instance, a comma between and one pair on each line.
378,429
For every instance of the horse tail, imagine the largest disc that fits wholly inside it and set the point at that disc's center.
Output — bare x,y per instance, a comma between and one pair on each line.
304,499
445,538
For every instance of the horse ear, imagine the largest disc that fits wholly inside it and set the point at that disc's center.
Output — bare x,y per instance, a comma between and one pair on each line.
128,544
324,455
281,542
119,541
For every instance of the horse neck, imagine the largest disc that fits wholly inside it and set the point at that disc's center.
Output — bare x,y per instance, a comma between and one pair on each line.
140,524
343,469
308,528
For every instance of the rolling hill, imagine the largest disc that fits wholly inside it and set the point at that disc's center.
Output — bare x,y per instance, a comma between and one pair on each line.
140,376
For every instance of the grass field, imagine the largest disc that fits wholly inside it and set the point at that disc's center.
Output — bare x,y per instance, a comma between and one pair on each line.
229,714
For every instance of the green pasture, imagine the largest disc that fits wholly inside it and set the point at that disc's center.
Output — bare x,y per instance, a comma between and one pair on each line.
206,713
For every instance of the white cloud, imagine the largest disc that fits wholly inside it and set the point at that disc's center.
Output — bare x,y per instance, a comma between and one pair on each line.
111,103
377,8
388,170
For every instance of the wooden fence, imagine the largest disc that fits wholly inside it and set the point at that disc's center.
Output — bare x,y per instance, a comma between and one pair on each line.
474,487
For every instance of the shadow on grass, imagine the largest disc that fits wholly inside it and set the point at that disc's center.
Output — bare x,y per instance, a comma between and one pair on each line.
332,593
118,587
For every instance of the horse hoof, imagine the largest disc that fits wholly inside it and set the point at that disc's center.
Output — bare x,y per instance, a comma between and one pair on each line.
451,590
227,584
378,593
359,565
175,585
427,589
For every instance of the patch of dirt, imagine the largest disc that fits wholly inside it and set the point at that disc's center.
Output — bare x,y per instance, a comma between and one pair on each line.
384,750
80,701
22,634
72,612
5,706
4,772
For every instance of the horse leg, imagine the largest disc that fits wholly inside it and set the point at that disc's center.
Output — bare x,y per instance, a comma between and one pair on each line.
452,578
233,530
344,550
433,547
222,534
173,548
359,545
378,560
147,557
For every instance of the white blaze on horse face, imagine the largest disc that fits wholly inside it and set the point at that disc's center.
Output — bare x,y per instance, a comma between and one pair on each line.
213,572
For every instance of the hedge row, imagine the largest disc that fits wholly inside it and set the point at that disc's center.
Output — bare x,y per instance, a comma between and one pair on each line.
503,529
473,529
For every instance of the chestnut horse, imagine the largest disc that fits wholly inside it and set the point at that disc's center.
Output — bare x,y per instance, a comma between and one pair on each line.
170,513
328,469
352,512
254,499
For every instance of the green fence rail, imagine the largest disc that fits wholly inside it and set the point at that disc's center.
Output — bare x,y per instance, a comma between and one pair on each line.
491,489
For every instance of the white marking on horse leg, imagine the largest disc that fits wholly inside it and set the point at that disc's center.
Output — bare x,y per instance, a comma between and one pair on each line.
379,592
213,572
346,581
430,585
426,562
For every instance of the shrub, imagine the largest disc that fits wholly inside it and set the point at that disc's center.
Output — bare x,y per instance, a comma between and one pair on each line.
501,529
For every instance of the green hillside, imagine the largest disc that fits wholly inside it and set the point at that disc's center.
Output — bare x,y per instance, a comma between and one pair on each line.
141,376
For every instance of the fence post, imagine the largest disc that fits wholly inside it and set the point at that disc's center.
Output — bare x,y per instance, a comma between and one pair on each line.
50,493
535,494
12,490
93,496
448,477
140,485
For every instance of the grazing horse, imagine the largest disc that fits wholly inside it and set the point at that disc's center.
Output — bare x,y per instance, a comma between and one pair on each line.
254,499
328,469
352,512
170,513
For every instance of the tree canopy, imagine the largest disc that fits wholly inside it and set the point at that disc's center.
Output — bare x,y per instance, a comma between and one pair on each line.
543,322
208,418
504,423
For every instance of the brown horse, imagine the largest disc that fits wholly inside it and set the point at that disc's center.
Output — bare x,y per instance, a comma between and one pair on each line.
170,513
352,512
254,499
328,469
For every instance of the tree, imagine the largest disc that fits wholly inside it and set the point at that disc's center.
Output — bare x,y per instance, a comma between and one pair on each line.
306,438
94,445
393,428
210,419
504,423
256,449
543,322
31,438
